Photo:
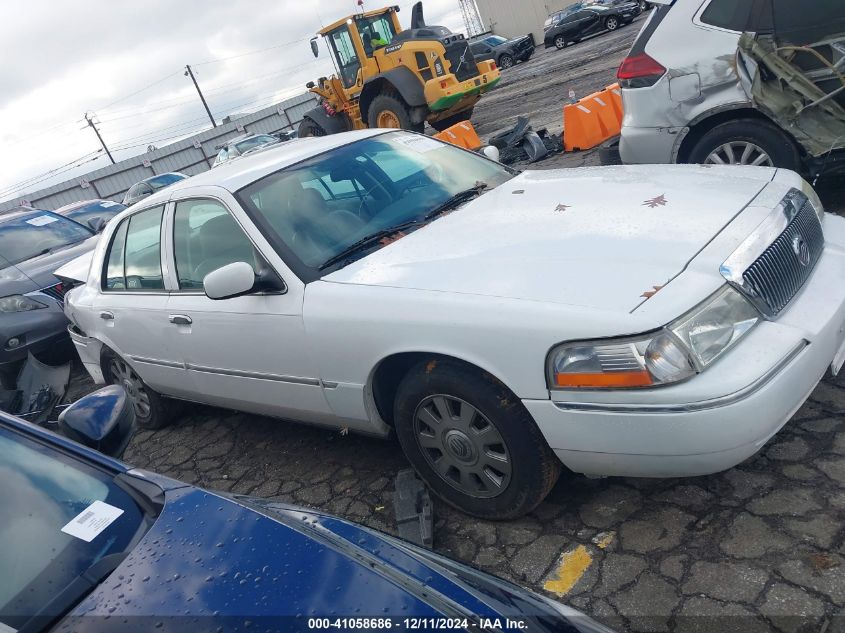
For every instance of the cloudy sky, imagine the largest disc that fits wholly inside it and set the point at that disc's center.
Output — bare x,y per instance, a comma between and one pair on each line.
125,62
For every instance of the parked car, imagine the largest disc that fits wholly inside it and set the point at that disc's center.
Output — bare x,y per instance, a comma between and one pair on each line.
635,6
92,213
581,20
92,544
149,186
696,90
504,52
244,145
33,244
631,321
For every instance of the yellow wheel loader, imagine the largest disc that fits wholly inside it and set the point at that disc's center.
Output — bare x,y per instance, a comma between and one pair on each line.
390,78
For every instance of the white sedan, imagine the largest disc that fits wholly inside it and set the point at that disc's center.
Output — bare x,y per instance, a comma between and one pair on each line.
638,321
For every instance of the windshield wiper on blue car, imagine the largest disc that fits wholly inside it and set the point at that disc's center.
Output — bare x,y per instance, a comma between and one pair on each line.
457,200
367,242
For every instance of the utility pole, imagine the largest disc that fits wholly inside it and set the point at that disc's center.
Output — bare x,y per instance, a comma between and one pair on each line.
190,73
90,120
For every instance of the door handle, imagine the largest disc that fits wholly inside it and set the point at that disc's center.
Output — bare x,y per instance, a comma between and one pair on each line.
107,316
180,319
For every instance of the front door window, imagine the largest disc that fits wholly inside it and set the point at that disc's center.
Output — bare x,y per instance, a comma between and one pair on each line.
346,56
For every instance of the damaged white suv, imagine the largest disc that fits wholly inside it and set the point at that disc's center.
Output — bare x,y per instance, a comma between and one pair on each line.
633,321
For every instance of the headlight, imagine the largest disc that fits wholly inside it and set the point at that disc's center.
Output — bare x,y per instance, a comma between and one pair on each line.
19,303
667,356
716,325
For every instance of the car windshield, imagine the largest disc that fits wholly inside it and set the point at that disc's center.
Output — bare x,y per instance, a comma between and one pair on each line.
256,141
105,210
222,156
160,182
39,233
55,524
319,208
495,40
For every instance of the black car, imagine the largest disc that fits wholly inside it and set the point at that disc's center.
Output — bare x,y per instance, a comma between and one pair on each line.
580,20
33,244
504,52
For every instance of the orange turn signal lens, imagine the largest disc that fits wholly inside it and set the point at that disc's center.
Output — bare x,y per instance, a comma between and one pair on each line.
605,380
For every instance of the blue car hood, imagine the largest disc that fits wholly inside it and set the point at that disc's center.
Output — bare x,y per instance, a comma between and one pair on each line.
211,563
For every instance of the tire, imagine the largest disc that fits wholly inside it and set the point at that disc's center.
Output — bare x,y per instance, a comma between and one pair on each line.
643,6
611,23
518,467
388,107
506,61
446,123
734,138
151,411
560,42
309,128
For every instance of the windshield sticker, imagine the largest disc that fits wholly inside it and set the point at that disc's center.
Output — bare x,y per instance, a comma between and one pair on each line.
42,220
88,524
108,203
421,144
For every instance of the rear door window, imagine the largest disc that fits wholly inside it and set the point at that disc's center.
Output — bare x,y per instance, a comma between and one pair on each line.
808,22
134,261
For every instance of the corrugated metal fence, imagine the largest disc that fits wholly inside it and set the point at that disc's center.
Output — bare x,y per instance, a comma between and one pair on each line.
190,156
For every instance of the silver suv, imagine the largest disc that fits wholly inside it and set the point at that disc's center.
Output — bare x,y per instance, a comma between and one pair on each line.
757,82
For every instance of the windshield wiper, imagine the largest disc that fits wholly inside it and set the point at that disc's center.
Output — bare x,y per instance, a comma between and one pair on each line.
73,593
367,242
457,200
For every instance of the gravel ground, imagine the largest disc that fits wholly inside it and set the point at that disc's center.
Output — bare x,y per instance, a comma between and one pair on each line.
757,548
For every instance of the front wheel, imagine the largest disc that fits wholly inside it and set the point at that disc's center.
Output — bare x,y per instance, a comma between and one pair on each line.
560,42
150,409
506,61
389,111
472,441
611,23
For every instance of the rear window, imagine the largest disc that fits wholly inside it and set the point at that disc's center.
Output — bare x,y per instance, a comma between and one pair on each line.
134,261
808,22
728,14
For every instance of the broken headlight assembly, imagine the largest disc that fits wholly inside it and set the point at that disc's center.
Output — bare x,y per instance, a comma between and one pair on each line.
19,303
675,353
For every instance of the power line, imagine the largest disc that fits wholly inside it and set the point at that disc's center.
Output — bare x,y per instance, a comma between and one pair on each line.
137,92
34,180
255,52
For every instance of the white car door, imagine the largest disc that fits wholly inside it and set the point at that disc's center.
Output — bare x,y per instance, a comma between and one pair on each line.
247,353
132,303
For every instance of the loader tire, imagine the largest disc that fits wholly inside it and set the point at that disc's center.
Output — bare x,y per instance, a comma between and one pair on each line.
389,111
309,127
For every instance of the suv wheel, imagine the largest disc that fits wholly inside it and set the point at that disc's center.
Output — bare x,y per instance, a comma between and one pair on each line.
150,409
472,441
560,42
611,23
746,142
506,61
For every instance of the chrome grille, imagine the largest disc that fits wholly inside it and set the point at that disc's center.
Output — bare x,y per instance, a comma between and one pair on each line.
777,275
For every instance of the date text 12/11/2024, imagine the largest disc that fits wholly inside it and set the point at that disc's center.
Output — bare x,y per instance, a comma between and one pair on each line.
415,624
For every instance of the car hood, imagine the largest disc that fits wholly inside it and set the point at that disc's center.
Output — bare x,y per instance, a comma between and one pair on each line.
36,273
594,237
218,561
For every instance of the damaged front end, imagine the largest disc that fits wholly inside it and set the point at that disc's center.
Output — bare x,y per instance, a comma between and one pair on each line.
801,88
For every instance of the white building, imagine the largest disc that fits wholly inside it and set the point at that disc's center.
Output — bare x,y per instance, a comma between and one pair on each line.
515,18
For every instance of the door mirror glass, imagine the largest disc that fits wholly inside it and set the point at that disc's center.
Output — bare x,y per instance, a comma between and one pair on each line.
230,281
103,420
314,48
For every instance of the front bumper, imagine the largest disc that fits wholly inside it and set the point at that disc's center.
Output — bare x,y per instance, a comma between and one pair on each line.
722,416
37,331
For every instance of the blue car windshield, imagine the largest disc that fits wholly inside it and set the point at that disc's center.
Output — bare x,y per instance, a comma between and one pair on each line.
51,504
160,182
322,206
38,233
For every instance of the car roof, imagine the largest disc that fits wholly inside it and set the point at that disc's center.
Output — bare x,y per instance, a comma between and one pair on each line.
78,205
237,174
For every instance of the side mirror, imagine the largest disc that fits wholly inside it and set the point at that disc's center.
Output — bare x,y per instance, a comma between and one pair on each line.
314,48
230,281
491,152
97,224
103,420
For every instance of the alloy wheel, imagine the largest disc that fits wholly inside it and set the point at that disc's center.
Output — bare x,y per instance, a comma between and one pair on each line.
506,61
462,446
560,42
125,376
739,153
611,24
